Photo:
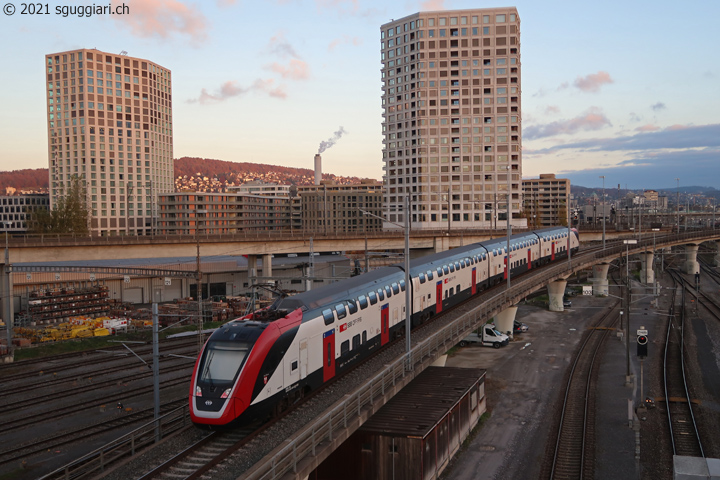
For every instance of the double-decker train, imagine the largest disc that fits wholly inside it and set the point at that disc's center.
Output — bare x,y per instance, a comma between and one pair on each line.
263,362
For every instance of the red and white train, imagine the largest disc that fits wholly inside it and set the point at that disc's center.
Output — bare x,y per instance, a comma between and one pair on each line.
265,361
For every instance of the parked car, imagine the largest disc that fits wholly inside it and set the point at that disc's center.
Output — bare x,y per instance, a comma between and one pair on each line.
567,303
519,327
487,335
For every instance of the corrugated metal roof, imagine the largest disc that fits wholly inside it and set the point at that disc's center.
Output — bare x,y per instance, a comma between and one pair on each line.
418,407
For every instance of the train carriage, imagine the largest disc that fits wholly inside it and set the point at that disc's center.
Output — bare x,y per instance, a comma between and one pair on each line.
261,363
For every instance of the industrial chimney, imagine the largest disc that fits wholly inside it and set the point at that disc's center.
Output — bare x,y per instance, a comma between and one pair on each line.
318,169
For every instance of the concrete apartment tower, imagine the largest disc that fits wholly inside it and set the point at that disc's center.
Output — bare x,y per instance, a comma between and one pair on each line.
110,124
452,118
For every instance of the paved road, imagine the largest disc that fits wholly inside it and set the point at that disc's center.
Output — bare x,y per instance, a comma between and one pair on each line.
522,379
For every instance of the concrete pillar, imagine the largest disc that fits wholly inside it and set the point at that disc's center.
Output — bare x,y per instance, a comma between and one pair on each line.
716,258
267,265
600,280
691,265
647,275
442,243
504,321
556,291
266,272
252,268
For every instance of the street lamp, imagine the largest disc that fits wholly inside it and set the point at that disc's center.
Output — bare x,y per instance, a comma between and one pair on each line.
603,209
408,306
627,257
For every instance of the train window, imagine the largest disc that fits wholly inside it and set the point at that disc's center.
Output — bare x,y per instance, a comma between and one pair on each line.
457,289
364,336
445,269
388,292
457,265
352,306
422,278
439,271
329,354
395,288
328,316
494,253
356,341
362,300
402,285
344,347
294,366
452,268
341,312
381,294
430,274
373,298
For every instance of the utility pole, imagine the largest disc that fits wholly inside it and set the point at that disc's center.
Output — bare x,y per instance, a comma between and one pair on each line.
156,371
603,210
677,204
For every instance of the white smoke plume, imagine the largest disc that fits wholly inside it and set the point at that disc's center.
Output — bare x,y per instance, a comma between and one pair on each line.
331,141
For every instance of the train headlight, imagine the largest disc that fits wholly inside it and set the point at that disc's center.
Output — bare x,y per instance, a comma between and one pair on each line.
226,393
198,392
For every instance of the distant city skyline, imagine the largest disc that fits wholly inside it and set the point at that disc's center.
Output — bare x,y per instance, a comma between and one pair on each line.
624,90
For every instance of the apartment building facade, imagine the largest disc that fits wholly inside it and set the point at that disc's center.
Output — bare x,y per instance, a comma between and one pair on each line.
331,208
452,118
110,125
546,200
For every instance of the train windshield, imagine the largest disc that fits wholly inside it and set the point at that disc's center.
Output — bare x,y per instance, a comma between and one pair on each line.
222,361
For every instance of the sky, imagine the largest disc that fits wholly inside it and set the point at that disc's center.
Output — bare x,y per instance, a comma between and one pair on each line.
625,90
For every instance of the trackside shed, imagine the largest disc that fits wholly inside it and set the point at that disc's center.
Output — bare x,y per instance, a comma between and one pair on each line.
415,434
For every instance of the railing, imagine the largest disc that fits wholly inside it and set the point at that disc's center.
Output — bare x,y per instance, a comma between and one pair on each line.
126,446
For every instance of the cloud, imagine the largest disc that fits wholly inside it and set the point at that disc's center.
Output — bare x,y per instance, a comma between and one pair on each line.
593,82
278,45
635,118
676,137
164,18
658,106
231,89
647,128
594,119
345,39
656,170
550,109
432,5
295,70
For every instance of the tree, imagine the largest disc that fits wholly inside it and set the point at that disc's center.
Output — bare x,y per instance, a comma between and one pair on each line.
70,214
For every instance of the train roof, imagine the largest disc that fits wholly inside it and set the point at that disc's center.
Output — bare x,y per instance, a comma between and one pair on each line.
342,290
421,264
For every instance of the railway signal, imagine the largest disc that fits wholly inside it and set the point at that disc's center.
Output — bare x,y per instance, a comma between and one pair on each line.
642,341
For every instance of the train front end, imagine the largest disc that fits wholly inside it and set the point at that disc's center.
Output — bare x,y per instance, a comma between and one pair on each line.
227,372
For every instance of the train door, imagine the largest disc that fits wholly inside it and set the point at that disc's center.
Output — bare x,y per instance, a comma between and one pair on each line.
529,258
438,296
303,358
552,251
474,281
505,271
328,355
384,324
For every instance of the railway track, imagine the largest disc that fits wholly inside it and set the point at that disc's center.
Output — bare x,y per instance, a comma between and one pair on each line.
55,413
573,451
85,432
684,433
205,454
55,364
